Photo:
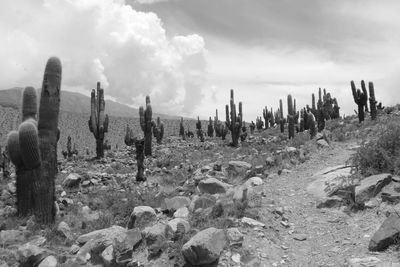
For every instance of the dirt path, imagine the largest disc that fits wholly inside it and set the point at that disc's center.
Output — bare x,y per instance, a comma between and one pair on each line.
330,235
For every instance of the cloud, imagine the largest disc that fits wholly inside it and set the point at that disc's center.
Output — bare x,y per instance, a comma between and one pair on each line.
102,40
147,2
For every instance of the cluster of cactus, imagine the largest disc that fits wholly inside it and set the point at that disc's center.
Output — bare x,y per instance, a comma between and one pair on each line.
33,148
5,163
146,124
268,117
70,152
98,122
220,128
243,134
259,123
210,129
200,133
361,99
327,108
234,120
158,130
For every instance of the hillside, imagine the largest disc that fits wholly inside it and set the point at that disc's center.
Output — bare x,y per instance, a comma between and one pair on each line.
76,103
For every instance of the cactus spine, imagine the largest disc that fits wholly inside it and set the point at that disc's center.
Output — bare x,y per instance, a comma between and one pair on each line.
98,122
234,121
146,125
372,101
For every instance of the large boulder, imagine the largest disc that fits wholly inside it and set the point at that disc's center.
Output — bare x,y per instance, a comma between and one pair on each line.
386,235
141,217
371,186
238,168
213,186
205,247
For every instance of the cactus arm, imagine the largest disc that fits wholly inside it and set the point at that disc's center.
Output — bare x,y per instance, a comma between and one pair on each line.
227,121
141,118
354,91
105,124
14,149
29,103
93,114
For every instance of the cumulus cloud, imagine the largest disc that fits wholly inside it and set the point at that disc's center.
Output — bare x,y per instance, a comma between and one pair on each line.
102,40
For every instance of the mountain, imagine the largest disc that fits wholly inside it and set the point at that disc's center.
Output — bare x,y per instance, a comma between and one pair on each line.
76,103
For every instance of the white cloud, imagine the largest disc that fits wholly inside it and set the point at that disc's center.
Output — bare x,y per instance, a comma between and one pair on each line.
102,40
147,2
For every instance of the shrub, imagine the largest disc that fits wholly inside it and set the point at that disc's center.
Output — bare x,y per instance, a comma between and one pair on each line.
380,154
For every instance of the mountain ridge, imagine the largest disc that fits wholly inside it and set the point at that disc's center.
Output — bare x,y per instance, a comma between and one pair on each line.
76,103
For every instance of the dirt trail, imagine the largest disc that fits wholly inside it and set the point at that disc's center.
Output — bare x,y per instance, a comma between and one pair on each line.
330,235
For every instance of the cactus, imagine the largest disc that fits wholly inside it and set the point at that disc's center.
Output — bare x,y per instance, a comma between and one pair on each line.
158,130
336,108
319,104
364,90
281,121
130,138
252,127
33,148
29,103
301,120
243,135
313,102
360,98
224,131
311,125
372,101
210,129
217,125
234,121
267,117
290,117
139,144
182,130
98,122
146,125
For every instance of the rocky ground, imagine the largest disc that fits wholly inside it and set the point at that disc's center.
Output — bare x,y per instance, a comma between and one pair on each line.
270,202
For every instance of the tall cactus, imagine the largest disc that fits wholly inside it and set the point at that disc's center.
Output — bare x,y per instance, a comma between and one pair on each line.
98,122
364,90
130,138
217,125
281,120
146,125
313,102
290,117
139,144
360,98
234,121
182,129
158,130
372,100
210,129
33,148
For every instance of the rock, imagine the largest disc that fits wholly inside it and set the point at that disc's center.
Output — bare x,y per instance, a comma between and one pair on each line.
327,180
251,222
361,262
253,181
212,186
330,202
64,230
141,217
49,261
238,168
108,255
175,203
203,202
205,247
8,237
72,180
88,215
270,161
386,235
259,169
236,258
29,250
371,186
322,143
156,237
182,213
97,241
123,250
234,236
299,237
174,224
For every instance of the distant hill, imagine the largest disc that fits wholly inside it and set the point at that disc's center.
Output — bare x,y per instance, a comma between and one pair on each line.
76,103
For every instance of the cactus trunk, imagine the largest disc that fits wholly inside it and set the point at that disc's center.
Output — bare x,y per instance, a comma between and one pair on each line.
290,117
372,100
234,121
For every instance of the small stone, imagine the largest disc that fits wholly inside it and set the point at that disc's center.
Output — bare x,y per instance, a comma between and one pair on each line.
251,222
234,236
49,261
141,217
236,258
72,180
182,213
299,237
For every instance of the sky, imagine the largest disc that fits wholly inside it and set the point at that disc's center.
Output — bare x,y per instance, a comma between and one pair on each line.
188,54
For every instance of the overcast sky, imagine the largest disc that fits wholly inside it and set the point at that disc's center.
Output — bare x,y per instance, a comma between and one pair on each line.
188,54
